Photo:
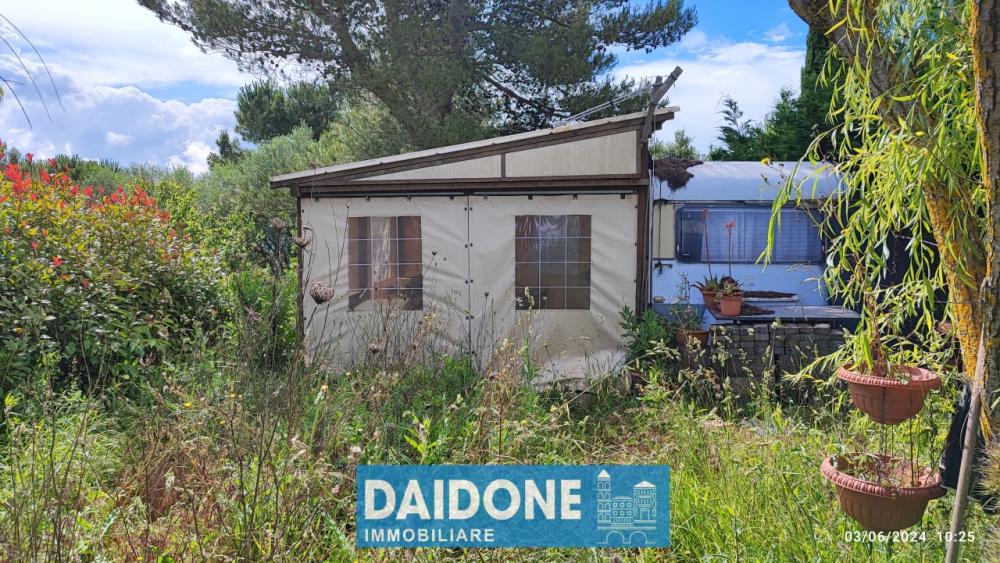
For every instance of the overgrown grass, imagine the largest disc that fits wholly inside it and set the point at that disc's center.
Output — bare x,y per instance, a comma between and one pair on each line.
229,463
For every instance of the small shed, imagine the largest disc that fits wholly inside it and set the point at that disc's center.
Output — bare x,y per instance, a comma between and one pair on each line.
540,237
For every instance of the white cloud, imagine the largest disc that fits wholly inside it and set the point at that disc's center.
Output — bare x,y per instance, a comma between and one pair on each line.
117,139
778,33
133,89
119,122
117,42
752,73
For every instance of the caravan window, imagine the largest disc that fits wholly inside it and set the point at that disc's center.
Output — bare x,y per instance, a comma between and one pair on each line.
384,261
552,261
703,235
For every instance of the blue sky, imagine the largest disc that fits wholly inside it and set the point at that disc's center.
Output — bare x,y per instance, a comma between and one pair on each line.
137,90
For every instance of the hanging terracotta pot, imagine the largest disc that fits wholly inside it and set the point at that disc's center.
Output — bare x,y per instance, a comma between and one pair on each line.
878,507
887,400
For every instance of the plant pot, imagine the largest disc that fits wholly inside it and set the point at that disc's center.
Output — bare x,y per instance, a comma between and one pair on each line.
683,337
707,295
881,508
886,400
730,305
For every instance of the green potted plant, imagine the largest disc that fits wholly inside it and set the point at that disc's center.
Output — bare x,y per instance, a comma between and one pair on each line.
881,492
686,318
729,296
708,287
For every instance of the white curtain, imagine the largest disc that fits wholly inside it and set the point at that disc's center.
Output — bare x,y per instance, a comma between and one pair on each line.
741,233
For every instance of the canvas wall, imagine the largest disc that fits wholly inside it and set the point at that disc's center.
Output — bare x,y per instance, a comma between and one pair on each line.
468,263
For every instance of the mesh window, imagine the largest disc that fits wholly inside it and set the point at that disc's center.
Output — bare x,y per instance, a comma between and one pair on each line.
384,261
552,261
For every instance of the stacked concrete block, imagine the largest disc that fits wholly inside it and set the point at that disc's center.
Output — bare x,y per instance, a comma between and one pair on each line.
766,352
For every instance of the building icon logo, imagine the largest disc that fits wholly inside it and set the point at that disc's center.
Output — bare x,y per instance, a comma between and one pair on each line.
626,520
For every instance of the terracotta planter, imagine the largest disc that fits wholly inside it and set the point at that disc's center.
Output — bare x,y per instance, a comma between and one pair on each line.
877,507
684,337
731,305
887,400
708,295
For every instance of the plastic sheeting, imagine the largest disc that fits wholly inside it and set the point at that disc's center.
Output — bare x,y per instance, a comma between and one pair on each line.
468,251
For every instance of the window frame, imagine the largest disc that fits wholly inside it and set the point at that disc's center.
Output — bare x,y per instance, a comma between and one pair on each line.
678,239
358,298
520,300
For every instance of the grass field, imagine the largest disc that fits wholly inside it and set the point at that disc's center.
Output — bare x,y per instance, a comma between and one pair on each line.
220,463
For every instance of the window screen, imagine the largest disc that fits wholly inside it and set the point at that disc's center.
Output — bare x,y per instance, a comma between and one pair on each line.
384,257
703,235
552,261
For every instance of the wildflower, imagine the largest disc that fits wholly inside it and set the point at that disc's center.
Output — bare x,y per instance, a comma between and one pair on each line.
52,163
29,157
34,245
57,261
765,161
85,283
88,191
74,190
187,404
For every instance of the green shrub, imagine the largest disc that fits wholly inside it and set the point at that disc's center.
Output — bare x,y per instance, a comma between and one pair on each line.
646,337
95,285
264,316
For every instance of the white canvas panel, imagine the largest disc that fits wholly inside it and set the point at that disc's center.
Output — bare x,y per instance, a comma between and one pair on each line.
341,338
569,347
485,167
608,154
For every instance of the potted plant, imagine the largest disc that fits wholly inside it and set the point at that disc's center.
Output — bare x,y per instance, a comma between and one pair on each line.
708,287
689,329
730,297
883,492
880,492
887,393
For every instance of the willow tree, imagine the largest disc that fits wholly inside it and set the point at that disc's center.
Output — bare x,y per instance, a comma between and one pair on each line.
919,143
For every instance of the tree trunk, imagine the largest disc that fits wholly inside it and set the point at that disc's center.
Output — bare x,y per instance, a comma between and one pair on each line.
964,297
985,30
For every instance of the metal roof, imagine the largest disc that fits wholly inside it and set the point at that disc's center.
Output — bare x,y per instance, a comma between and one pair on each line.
443,151
745,181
